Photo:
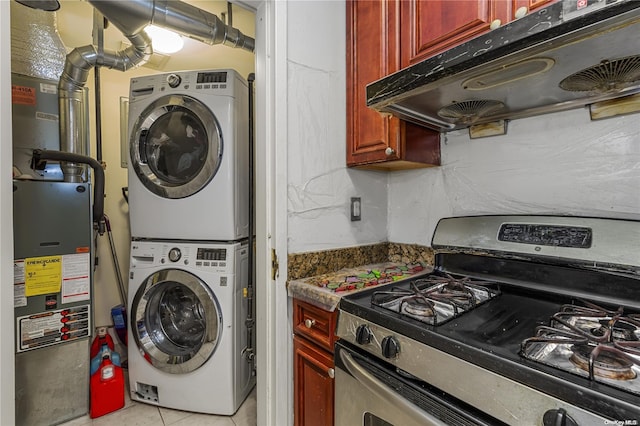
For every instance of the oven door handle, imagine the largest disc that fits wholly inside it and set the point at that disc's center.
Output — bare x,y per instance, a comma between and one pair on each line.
380,389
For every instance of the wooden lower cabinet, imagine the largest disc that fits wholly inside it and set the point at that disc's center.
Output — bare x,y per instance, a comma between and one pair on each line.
313,384
314,336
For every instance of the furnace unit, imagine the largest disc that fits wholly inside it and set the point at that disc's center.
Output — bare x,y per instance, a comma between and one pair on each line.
52,300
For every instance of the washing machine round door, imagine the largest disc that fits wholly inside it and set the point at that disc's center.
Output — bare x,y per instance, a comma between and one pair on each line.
176,146
176,321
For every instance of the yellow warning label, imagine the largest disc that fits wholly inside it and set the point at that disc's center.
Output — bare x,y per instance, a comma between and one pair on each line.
42,275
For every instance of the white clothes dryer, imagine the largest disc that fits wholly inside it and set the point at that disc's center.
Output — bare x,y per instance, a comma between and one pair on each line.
188,162
188,340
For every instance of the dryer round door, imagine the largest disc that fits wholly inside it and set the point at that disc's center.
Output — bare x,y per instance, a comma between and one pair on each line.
176,321
176,146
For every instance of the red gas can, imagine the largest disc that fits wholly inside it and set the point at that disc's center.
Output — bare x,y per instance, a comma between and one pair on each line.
103,338
107,389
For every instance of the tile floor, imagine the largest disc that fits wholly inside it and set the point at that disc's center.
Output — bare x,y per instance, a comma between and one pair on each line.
140,414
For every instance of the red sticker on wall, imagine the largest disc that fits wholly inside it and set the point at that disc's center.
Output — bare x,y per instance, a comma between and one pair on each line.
23,95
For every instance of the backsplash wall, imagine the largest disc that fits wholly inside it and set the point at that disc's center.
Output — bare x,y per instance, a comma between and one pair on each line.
557,164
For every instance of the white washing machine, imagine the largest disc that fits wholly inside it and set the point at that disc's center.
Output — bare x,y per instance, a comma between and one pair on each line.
187,336
189,156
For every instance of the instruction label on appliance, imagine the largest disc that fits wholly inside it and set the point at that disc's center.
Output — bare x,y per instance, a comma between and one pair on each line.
68,275
19,298
75,277
23,95
52,327
43,275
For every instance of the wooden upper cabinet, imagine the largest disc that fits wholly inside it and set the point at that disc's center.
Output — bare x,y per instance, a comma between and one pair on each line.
430,27
373,51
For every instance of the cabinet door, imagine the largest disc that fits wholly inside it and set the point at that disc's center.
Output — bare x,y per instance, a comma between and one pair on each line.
374,140
313,384
433,26
372,53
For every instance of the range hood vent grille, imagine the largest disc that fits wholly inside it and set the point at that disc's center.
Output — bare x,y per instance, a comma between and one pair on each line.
468,111
605,77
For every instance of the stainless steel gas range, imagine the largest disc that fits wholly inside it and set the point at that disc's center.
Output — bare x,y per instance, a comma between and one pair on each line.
526,320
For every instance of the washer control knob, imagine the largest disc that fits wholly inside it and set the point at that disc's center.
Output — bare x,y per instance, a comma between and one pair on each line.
390,347
174,80
363,334
175,254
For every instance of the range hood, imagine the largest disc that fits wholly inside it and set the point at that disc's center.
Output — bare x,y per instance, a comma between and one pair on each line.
570,54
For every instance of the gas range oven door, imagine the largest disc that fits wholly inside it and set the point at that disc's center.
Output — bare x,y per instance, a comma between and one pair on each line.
369,392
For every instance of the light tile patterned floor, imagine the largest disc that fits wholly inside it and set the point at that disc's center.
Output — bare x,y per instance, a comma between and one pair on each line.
140,414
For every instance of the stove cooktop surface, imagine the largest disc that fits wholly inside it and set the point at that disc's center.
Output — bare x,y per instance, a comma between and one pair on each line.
491,334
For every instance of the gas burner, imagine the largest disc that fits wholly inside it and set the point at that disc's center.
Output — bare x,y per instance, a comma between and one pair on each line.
603,344
435,299
603,361
419,306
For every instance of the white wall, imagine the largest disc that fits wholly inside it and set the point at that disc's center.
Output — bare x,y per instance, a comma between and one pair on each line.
320,185
7,345
559,163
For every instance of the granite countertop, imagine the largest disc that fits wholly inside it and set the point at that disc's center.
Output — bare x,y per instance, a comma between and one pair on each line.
325,291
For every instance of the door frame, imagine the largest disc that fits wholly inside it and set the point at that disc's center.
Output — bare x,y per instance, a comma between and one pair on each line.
274,342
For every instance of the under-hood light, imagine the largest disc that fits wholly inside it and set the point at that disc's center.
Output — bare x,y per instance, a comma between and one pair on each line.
163,40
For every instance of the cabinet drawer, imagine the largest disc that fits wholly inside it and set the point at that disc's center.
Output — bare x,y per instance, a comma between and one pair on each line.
315,324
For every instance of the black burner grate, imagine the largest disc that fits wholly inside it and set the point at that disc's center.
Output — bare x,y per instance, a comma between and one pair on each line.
436,299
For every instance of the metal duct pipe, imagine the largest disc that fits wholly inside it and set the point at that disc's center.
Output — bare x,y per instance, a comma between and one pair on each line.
70,91
134,15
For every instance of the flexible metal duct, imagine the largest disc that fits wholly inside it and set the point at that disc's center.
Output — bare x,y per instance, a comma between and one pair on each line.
131,18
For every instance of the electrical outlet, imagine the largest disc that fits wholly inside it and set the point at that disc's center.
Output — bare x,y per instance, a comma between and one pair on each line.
356,209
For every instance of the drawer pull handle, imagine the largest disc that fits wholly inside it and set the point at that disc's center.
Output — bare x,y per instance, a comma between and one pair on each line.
331,373
309,323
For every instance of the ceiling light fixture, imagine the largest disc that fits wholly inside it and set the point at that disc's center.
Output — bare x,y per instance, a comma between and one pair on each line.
164,41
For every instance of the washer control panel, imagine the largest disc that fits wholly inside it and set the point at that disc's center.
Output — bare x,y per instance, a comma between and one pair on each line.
207,258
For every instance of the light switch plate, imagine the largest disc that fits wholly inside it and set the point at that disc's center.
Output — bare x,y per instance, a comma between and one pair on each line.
356,209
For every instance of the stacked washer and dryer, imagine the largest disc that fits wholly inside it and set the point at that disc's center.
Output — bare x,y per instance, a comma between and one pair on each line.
189,347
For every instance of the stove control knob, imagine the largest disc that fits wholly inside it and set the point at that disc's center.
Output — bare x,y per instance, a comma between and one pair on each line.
557,417
390,347
363,334
175,254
